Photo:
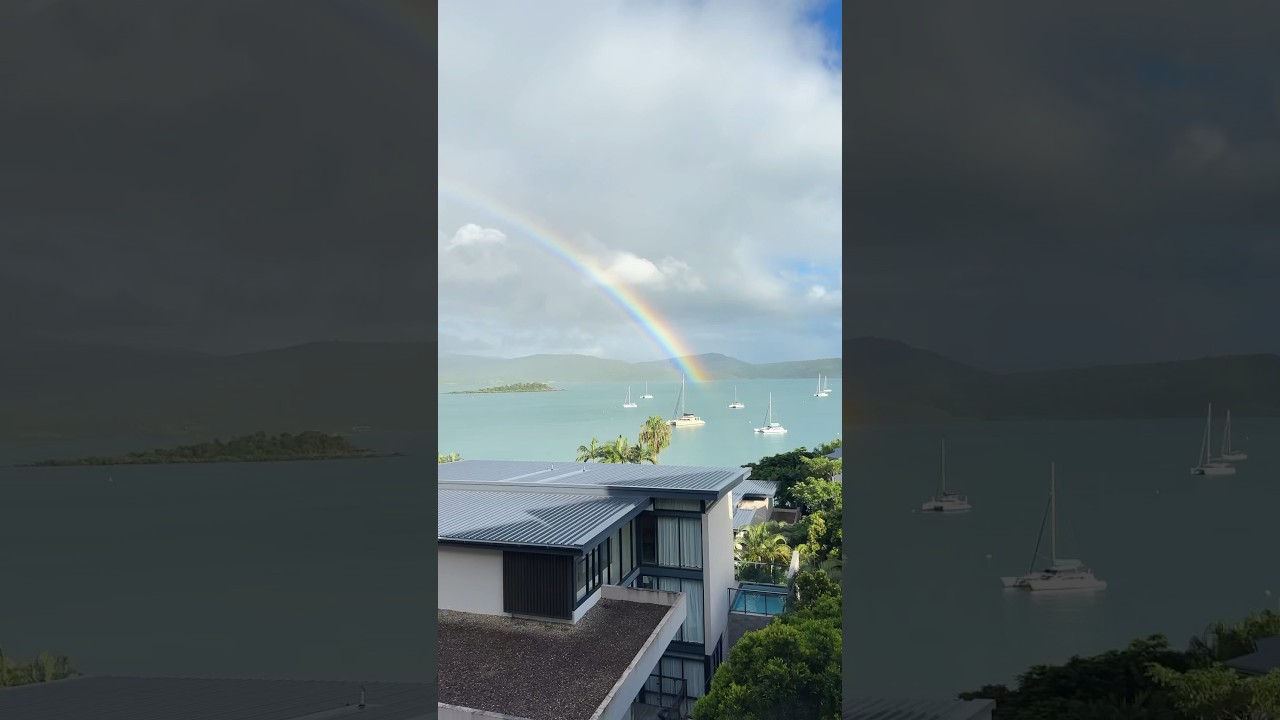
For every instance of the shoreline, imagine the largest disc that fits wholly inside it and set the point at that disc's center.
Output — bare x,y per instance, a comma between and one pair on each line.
112,462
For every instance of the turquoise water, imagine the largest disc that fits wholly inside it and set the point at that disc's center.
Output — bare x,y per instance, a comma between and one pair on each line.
308,570
759,599
551,425
926,614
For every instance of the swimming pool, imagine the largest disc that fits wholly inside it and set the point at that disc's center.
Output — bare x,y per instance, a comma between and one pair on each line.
760,599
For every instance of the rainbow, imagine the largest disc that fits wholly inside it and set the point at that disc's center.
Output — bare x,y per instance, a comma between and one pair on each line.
642,314
412,27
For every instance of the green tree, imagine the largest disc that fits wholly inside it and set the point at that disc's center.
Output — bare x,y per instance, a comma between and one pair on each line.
1220,693
789,669
764,548
810,587
817,493
823,467
593,451
1223,641
451,457
655,434
1114,685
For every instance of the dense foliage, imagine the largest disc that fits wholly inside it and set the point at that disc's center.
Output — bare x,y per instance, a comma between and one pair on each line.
792,667
309,445
1149,680
451,457
514,388
46,667
792,468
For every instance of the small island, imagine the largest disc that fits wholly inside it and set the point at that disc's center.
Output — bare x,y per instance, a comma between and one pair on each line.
518,387
258,447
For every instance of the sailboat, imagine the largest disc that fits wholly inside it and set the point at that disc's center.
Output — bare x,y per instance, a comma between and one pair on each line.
945,501
771,427
646,395
1227,452
629,403
735,405
682,418
1205,463
820,392
1061,574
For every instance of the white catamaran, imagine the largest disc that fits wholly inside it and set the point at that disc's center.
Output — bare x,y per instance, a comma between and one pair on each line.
1206,464
735,405
771,427
1061,574
682,418
1228,452
646,395
945,501
820,392
629,403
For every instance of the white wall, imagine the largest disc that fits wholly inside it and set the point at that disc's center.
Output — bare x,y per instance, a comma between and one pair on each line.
617,704
470,580
717,568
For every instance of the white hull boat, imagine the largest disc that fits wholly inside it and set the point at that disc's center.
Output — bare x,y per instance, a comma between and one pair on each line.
1061,574
684,419
944,501
1206,465
770,427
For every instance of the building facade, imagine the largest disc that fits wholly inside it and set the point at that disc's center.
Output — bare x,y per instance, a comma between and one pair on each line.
539,540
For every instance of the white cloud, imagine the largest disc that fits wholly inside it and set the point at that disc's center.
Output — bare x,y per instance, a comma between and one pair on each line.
688,151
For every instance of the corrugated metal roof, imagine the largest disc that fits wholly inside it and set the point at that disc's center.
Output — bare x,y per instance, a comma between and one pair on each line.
1264,658
742,517
625,475
864,708
837,453
128,698
763,488
544,519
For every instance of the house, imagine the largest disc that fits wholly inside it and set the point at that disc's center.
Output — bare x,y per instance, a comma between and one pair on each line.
866,708
1264,658
216,699
548,562
755,503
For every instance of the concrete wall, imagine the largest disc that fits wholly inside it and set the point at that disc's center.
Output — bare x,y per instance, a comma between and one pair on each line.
717,564
587,604
455,712
617,704
470,580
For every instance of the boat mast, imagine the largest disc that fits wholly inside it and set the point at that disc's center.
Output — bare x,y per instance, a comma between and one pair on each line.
1208,436
1053,512
944,467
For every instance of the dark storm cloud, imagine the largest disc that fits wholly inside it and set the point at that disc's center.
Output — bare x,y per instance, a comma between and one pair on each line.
226,175
1035,184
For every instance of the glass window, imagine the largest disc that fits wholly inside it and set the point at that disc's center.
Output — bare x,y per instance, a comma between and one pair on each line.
691,543
669,541
648,525
615,561
580,578
628,551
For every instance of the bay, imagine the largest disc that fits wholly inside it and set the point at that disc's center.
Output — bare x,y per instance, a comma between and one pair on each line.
289,570
926,613
551,425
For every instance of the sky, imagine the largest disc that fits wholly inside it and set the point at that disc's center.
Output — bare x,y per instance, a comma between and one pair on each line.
685,156
221,177
1050,184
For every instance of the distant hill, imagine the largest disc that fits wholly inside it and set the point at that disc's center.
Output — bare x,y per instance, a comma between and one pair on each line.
59,389
476,370
887,382
93,391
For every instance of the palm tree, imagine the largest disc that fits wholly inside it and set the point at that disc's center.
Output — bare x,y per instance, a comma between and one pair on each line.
655,433
763,544
642,453
617,451
587,453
